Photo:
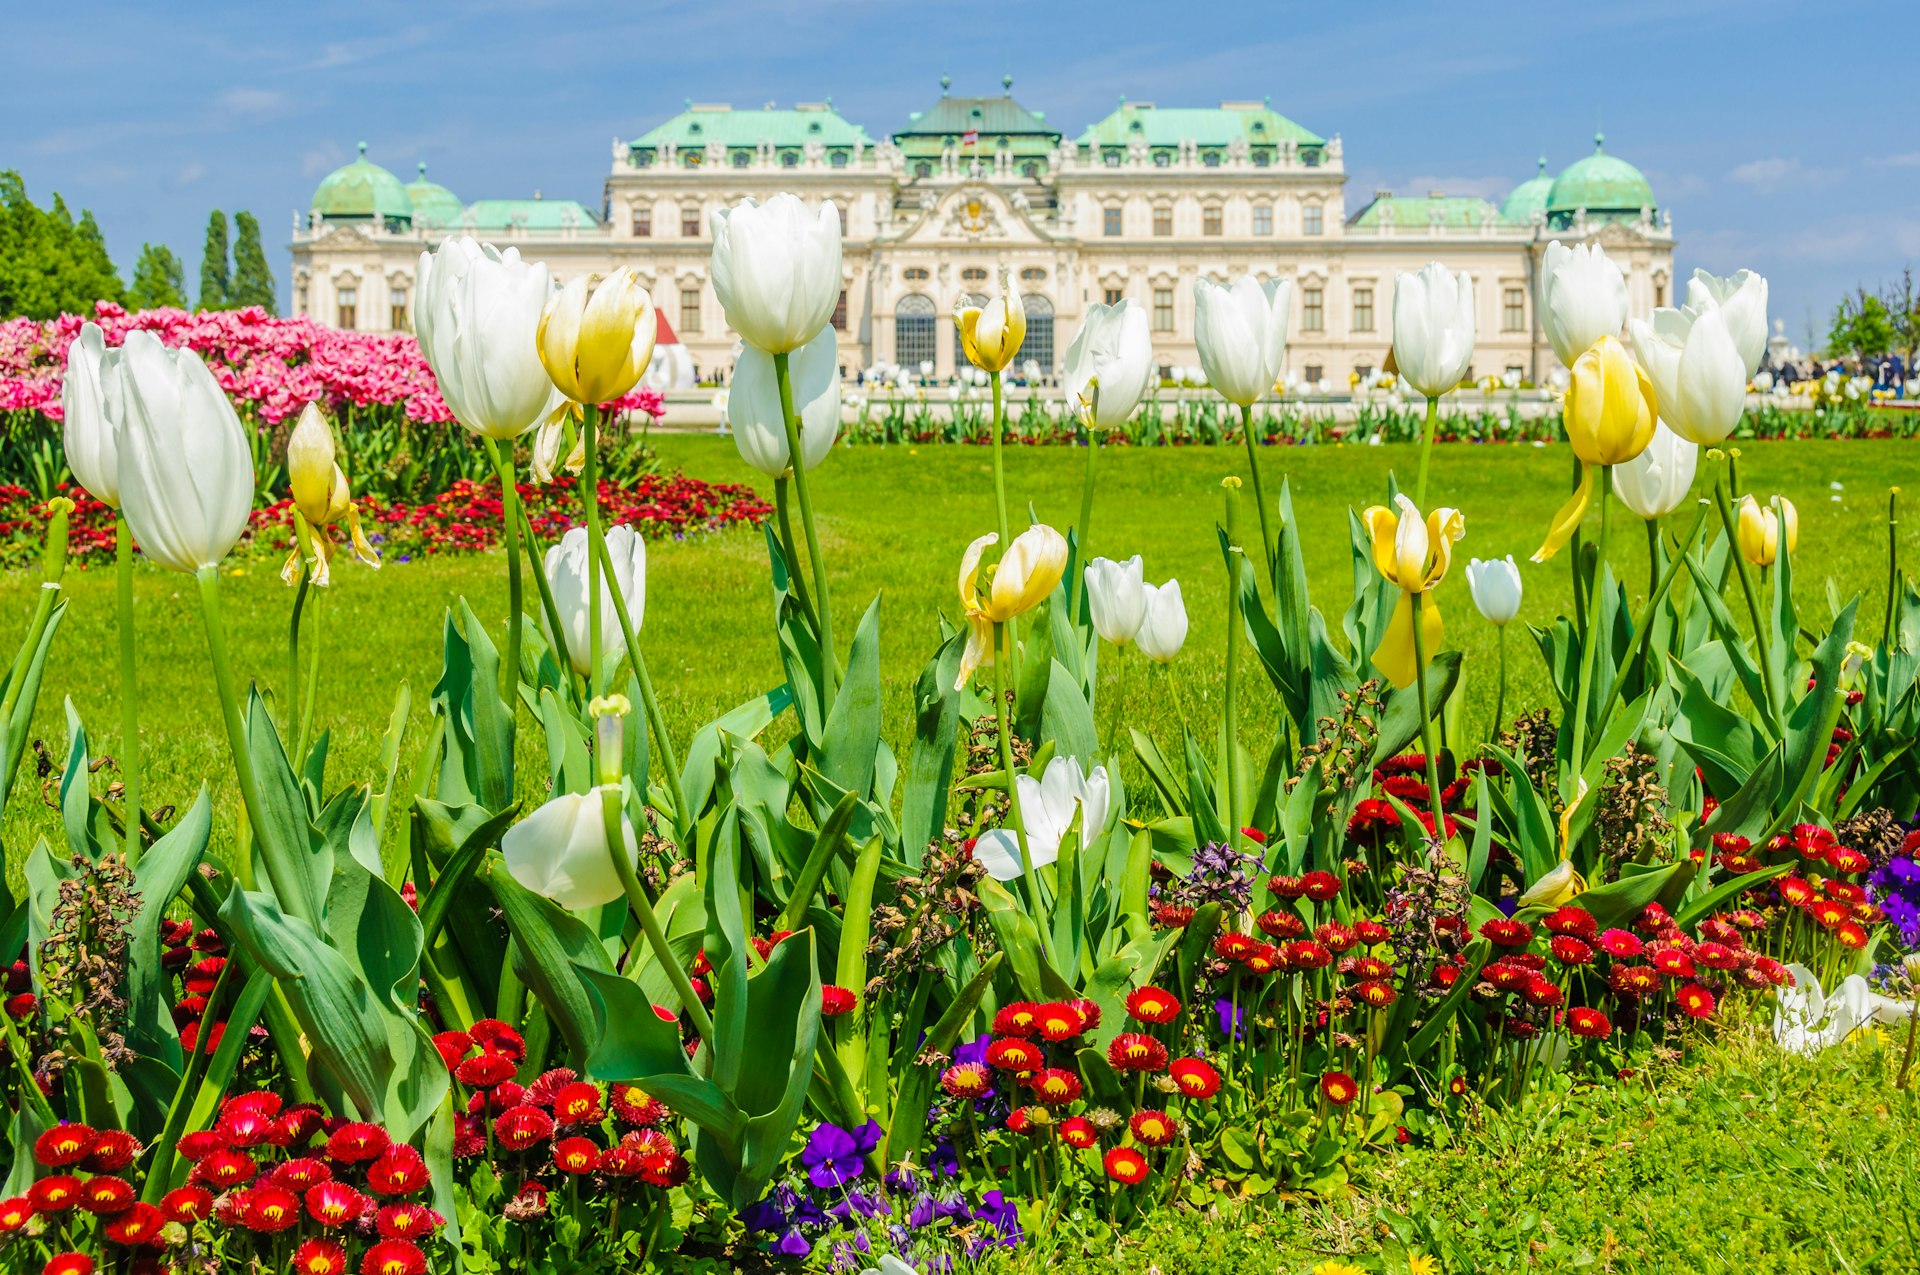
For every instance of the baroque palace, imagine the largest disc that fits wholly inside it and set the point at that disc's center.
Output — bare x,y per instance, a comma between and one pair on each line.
1139,204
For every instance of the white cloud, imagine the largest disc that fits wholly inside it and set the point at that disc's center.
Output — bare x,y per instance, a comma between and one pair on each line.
190,174
253,104
321,159
1777,173
1906,159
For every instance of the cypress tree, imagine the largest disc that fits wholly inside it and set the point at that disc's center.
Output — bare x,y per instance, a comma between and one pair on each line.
95,267
213,264
252,278
158,279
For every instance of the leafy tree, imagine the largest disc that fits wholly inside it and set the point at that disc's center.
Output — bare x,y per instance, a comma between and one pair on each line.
213,264
48,262
158,279
252,277
1861,326
1903,316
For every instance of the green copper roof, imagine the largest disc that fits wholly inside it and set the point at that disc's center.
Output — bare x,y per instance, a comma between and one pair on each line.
1601,184
1001,122
1258,123
362,189
697,126
1457,212
433,204
1528,198
532,214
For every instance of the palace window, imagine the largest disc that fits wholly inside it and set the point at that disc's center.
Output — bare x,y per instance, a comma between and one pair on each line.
1163,309
1363,309
1031,170
915,274
789,159
916,325
1310,219
1162,222
690,222
1162,159
347,302
923,169
839,159
1033,274
1513,310
689,309
1038,345
1313,310
1211,159
397,307
1110,222
741,158
1312,375
1262,158
1111,156
974,274
1659,292
1210,220
643,223
1262,219
840,312
1114,296
1363,370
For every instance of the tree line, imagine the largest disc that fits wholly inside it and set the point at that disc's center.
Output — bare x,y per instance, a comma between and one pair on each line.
52,263
1869,325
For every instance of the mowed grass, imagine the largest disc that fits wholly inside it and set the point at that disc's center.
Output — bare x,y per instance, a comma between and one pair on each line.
894,521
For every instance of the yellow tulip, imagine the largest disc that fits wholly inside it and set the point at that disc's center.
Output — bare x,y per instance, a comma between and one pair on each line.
1413,554
991,334
1610,415
595,345
1023,579
320,492
1760,526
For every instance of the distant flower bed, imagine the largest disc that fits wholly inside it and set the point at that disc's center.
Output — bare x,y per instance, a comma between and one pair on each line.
464,518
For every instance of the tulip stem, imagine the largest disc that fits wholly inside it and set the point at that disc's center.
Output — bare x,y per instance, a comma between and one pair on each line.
1076,588
669,760
1426,715
530,543
1426,450
829,656
999,463
313,684
291,900
1259,494
590,492
1724,503
129,690
1001,654
1653,555
783,512
610,812
303,553
510,516
1590,648
1893,566
1500,698
1643,626
1234,625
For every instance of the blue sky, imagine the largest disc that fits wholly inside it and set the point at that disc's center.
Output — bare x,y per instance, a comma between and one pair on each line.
1766,127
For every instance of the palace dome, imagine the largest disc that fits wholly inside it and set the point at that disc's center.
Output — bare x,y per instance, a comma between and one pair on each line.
362,191
1606,187
1529,197
433,204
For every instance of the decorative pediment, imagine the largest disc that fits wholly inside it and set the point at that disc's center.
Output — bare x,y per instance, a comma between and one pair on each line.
972,214
342,238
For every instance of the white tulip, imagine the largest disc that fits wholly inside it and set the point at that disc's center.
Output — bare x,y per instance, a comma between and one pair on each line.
1763,381
1163,630
566,567
185,469
1116,598
1109,363
1432,328
1582,297
776,270
1241,330
753,407
1742,298
91,417
476,312
1495,586
560,851
1699,380
1047,807
1657,481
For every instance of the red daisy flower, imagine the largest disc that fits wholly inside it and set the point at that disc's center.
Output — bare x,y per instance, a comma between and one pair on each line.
1089,1014
1653,919
1195,1076
400,1170
485,1070
1372,967
1254,835
496,1037
298,1174
1017,1018
1153,1005
1696,1000
1339,1088
665,1169
1571,919
1851,935
105,1196
453,1047
1505,931
1306,954
15,1213
576,1155
1334,936
69,1264
356,1142
1153,1128
224,1169
64,1144
1125,1166
335,1203
1136,1051
113,1150
394,1257
1076,1132
1014,1054
1457,1086
187,1205
635,1106
1671,961
1506,976
1263,959
967,1080
1568,950
1370,931
1622,943
1055,1086
320,1257
1633,980
1232,946
1543,992
271,1209
1446,974
1320,886
139,1223
1715,956
1588,1023
1280,925
1173,916
1375,992
522,1127
195,1147
406,1221
1371,817
1058,1021
576,1103
1286,887
55,1194
548,1084
836,1000
245,1127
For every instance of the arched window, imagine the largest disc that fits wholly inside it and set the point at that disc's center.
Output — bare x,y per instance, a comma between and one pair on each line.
916,326
1039,343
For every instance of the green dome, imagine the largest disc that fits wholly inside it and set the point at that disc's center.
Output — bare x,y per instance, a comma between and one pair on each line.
362,191
1608,189
1528,198
433,204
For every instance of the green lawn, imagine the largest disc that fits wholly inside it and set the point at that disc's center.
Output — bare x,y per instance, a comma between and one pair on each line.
894,521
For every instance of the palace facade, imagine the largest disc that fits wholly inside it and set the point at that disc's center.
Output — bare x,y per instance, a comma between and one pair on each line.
1139,204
